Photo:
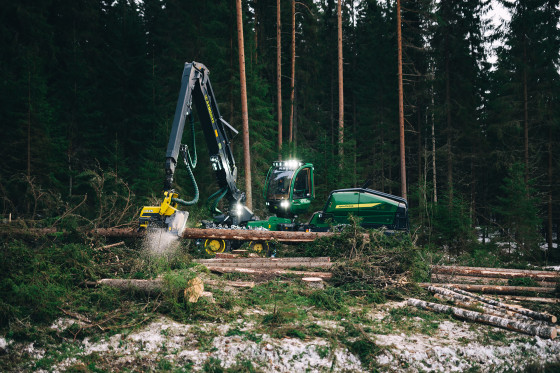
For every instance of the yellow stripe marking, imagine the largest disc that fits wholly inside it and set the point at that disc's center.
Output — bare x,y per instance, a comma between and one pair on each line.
357,205
216,131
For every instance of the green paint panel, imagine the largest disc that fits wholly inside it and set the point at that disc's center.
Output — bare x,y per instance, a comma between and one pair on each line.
270,224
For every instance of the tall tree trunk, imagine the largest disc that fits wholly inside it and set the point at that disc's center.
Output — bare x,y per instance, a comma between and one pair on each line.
244,111
279,75
29,126
256,36
525,113
449,123
293,80
434,174
382,162
401,104
340,87
549,220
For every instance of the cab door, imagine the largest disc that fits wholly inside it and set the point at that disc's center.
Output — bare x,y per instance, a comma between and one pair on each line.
302,190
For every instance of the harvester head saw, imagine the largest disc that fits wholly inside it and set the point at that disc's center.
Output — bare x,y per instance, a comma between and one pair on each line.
165,216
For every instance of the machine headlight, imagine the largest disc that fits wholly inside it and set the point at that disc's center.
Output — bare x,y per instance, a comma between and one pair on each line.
285,204
239,209
292,164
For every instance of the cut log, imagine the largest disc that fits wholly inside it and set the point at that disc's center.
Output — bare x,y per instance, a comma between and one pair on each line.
496,272
253,235
465,300
438,277
496,289
263,265
235,284
264,260
226,256
530,299
491,310
269,272
541,331
145,286
314,282
533,314
194,290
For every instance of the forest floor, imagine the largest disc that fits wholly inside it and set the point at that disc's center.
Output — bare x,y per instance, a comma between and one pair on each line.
57,324
391,337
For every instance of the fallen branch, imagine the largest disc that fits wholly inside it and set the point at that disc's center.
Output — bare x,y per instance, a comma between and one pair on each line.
541,331
109,246
270,272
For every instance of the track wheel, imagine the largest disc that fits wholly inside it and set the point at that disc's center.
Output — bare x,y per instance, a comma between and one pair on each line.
259,247
213,246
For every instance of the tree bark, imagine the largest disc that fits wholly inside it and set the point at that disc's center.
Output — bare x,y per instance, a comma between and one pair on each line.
544,331
293,80
279,76
497,272
244,110
401,103
340,87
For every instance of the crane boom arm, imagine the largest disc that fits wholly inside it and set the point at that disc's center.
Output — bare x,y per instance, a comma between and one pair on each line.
196,89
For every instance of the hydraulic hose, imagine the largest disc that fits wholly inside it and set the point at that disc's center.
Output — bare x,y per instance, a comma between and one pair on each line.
217,196
190,165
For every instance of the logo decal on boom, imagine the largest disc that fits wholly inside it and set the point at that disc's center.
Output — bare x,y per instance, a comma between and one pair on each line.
209,108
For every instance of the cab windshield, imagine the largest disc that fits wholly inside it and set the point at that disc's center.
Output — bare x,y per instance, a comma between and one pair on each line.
279,184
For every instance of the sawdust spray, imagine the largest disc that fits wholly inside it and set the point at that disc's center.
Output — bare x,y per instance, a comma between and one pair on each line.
160,243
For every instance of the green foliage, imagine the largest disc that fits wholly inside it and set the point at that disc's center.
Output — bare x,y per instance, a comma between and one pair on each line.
36,281
452,225
518,209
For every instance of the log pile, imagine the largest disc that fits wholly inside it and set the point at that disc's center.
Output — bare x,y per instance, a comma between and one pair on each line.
269,266
495,280
469,306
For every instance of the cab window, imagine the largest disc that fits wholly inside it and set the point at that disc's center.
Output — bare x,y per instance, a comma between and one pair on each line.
301,184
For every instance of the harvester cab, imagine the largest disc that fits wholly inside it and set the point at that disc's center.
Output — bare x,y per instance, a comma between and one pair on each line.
289,188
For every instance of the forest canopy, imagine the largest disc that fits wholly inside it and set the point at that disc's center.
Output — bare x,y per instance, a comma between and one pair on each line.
88,91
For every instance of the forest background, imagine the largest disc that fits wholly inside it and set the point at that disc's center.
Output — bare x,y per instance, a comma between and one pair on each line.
88,91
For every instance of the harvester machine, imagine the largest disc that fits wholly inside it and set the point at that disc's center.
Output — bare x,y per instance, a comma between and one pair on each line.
289,189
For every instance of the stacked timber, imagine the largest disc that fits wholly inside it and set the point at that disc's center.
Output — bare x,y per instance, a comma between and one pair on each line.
270,266
495,280
469,306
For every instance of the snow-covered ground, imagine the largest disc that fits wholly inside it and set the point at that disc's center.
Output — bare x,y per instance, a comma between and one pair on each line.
453,346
